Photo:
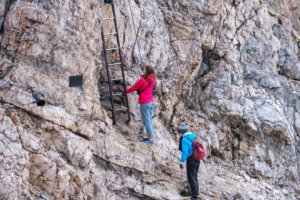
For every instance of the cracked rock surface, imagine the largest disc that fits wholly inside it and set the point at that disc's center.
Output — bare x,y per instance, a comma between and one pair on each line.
229,69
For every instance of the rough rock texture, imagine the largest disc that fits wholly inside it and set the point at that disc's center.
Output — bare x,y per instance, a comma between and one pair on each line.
228,68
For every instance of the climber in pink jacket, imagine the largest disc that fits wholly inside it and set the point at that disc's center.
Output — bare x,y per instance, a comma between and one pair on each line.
144,87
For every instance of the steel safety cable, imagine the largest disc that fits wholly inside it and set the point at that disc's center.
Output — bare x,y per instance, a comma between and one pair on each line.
215,184
136,38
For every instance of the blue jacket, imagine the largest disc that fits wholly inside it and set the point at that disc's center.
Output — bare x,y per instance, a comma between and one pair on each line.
187,149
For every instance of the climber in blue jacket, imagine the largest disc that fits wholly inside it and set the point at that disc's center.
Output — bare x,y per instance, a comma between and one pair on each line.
192,166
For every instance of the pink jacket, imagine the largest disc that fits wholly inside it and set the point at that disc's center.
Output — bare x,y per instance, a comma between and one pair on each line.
146,96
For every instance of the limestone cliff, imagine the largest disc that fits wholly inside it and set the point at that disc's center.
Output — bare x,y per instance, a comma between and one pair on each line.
229,68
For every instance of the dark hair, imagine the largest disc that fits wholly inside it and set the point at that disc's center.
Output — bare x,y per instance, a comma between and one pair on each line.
149,70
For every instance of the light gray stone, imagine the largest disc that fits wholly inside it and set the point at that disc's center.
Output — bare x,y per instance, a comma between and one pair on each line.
228,69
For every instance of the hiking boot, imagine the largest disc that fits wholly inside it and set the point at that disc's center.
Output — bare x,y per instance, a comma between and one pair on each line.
147,141
193,198
144,139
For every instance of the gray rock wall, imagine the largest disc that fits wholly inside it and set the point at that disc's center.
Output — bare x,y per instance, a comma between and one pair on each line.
229,69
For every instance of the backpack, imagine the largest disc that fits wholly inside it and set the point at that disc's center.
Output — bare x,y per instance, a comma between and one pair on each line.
198,151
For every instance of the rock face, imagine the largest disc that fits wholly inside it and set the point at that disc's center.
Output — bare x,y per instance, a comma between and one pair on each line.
229,68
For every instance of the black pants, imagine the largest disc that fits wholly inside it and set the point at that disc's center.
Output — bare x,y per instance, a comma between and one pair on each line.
192,167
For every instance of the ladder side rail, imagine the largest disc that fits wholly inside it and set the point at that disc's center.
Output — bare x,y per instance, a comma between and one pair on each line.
120,55
109,81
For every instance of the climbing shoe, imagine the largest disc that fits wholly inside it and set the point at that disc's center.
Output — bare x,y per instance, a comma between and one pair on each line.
144,139
147,141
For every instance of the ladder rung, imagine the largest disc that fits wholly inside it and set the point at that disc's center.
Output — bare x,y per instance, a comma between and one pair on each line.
116,79
111,33
121,109
118,94
107,19
112,49
114,64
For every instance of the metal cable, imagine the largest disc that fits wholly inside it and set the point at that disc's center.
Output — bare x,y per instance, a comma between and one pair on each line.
199,167
136,38
155,115
215,184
